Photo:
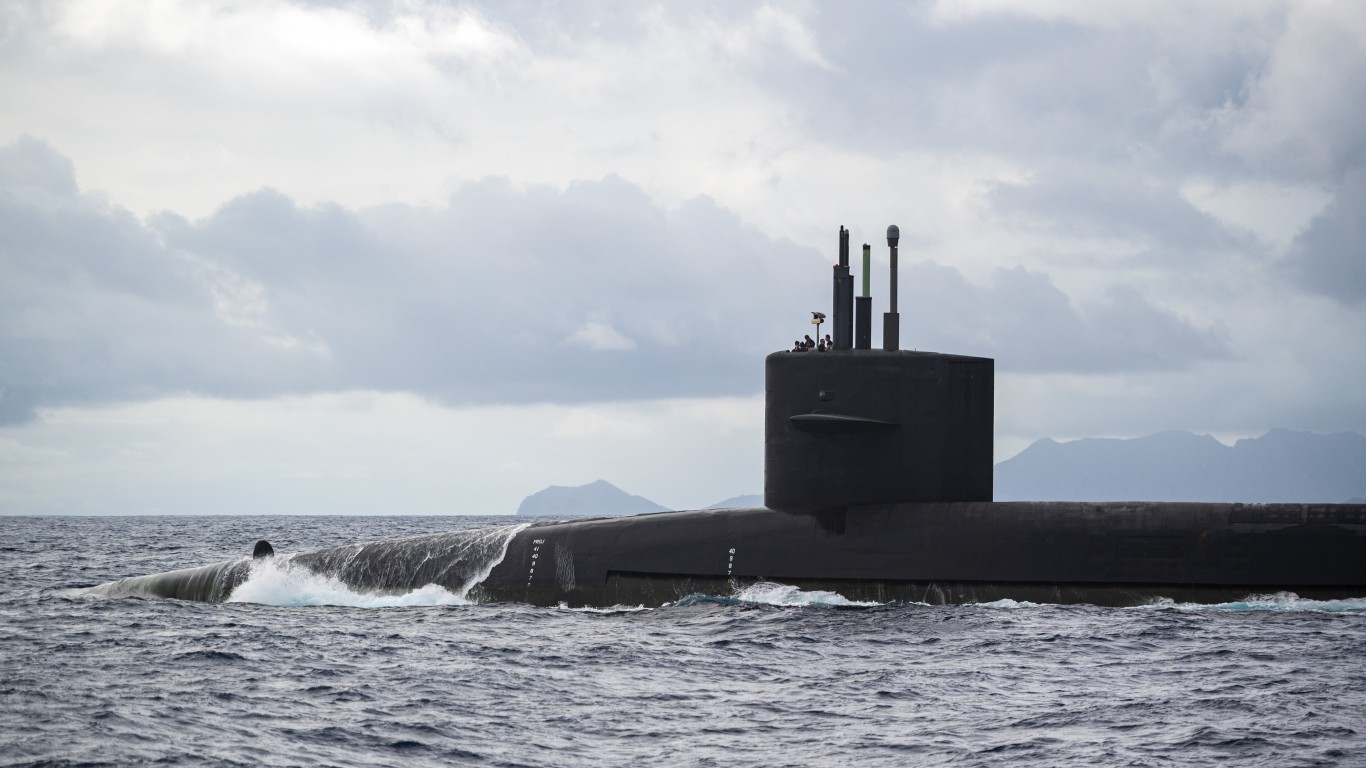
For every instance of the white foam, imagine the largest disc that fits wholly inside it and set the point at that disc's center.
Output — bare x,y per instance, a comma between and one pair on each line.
609,609
278,581
1006,602
769,593
1286,602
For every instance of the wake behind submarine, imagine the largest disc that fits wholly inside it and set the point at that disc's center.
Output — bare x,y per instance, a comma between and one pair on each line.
877,486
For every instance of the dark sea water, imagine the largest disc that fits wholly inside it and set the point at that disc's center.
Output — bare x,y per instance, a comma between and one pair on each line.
767,677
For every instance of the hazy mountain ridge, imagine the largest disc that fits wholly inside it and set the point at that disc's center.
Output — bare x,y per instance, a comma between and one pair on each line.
739,502
602,498
1280,466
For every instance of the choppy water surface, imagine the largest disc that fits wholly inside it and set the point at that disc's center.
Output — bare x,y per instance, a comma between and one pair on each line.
769,676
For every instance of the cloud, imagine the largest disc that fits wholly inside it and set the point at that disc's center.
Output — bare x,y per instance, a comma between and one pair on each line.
1029,325
468,303
34,172
1300,114
1017,82
1231,91
1329,256
507,294
601,336
1113,205
402,102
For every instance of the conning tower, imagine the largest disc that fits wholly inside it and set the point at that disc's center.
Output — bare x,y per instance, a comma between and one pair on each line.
855,425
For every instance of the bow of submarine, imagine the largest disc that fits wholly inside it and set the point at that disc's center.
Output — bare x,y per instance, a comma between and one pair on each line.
206,584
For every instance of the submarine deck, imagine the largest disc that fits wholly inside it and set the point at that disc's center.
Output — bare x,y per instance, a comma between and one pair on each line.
1108,553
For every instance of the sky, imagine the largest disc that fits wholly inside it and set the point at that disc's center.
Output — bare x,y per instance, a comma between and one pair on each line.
422,257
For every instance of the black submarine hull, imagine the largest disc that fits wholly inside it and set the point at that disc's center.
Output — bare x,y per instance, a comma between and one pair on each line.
1117,554
1113,554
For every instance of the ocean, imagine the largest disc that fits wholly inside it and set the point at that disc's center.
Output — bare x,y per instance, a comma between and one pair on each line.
315,674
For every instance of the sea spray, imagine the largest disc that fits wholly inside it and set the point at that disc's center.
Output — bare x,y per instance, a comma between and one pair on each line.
1281,602
438,569
772,593
281,582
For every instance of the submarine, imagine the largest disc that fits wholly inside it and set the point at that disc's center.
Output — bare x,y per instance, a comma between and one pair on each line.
877,487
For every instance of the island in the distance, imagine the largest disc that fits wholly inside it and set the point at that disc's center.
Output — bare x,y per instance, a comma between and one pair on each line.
602,499
597,498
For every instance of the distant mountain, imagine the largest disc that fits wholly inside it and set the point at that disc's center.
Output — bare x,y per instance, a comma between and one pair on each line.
1281,465
595,499
739,502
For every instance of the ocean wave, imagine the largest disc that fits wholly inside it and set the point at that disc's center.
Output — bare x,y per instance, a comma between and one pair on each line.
1287,602
1006,602
279,582
773,593
609,609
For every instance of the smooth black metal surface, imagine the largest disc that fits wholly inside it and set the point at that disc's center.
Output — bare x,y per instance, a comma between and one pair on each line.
833,423
940,450
843,309
842,305
863,322
891,320
863,306
1106,554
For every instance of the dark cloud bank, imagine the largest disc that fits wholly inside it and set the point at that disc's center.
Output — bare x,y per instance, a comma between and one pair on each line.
505,295
1329,256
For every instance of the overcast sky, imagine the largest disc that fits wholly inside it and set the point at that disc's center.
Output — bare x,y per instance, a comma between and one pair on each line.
422,257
